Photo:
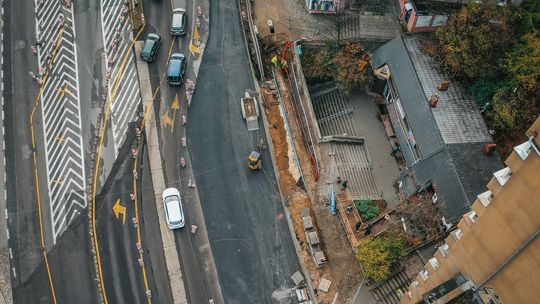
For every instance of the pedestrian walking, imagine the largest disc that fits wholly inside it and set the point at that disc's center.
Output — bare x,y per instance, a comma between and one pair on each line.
339,180
357,226
344,185
368,229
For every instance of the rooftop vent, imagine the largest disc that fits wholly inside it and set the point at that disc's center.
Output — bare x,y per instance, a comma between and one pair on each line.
503,175
489,148
443,85
383,72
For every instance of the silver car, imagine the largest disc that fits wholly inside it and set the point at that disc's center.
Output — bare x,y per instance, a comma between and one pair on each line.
179,20
172,203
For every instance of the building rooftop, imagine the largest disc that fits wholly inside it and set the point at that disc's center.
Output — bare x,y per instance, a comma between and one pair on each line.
450,136
437,6
456,114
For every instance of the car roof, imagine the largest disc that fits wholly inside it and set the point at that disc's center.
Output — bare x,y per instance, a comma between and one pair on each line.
174,210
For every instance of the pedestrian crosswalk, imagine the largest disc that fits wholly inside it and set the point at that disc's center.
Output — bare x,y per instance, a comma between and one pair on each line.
117,37
60,109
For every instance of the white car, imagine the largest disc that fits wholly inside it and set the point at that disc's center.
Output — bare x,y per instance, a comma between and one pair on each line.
172,203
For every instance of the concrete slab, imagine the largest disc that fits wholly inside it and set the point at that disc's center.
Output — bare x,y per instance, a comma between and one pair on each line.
385,169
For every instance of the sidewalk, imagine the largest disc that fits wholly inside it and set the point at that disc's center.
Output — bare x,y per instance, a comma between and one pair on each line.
290,17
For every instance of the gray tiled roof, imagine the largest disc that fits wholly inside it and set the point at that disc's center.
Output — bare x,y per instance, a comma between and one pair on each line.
450,137
411,94
456,114
474,167
440,172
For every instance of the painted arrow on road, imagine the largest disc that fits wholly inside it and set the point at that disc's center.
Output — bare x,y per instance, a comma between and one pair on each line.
119,209
175,106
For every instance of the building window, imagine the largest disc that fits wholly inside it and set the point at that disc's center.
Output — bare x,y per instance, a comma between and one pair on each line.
503,175
443,249
434,263
470,217
424,274
457,234
485,198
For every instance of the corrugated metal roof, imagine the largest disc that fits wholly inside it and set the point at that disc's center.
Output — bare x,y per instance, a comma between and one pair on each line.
395,55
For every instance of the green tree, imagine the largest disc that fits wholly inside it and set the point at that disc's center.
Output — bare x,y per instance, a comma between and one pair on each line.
475,38
377,256
352,67
522,64
318,64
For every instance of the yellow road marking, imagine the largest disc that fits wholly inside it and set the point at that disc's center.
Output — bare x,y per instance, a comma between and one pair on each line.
63,91
61,138
119,209
58,181
167,120
175,106
34,157
141,256
98,158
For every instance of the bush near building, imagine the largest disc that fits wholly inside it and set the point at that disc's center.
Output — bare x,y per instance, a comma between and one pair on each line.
495,52
378,254
349,64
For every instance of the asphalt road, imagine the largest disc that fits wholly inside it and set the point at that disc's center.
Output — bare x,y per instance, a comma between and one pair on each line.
70,260
200,287
250,239
19,94
122,273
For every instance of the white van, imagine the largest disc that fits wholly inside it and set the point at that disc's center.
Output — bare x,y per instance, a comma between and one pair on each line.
172,204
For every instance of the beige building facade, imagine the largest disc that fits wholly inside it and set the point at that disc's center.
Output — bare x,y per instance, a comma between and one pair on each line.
494,254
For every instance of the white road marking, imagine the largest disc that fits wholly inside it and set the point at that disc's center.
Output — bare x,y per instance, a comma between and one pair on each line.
60,109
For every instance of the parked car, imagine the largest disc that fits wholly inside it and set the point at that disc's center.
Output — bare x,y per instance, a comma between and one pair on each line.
151,47
178,23
172,204
177,69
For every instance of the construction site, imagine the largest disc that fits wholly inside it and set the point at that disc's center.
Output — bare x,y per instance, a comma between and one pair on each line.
332,154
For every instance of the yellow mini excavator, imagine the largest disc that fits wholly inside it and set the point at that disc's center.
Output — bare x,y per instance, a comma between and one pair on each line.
255,160
255,157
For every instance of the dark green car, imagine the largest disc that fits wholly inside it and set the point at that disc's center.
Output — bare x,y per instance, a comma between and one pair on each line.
151,47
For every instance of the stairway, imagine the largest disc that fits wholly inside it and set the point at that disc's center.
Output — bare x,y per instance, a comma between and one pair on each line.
354,164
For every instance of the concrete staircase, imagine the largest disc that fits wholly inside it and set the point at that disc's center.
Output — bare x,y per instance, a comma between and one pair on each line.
333,115
354,164
388,291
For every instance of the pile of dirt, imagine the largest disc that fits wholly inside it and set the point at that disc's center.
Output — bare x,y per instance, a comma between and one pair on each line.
342,269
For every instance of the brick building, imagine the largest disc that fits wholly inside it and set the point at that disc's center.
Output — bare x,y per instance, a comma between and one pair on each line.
494,254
